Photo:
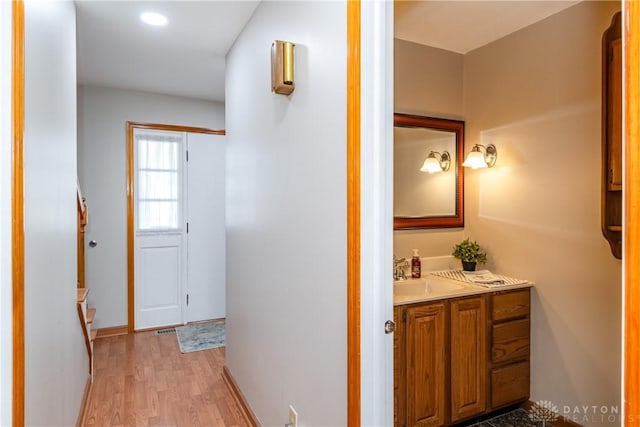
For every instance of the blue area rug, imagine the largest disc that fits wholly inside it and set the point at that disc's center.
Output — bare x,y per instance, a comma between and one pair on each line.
201,336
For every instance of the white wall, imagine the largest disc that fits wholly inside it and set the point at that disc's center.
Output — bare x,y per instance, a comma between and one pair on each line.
5,213
536,95
102,117
286,216
427,82
56,361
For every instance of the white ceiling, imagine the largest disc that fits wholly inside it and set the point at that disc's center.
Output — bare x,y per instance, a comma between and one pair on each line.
185,58
462,26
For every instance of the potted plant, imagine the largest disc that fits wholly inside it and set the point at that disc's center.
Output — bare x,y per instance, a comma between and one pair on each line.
470,253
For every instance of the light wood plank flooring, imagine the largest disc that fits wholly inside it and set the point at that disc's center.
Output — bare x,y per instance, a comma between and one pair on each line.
142,379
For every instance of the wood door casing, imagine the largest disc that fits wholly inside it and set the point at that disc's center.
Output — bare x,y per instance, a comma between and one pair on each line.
426,365
631,367
468,357
17,213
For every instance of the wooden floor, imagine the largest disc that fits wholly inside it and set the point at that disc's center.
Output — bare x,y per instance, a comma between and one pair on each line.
142,379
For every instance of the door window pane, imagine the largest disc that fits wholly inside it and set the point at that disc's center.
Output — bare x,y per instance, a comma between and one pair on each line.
158,185
154,154
157,215
158,180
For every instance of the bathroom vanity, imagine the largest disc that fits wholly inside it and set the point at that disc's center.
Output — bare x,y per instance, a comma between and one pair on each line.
459,353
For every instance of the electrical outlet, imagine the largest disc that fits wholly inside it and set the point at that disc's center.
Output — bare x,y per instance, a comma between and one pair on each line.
293,417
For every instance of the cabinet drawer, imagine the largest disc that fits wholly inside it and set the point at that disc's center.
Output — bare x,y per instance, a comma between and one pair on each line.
511,305
510,341
509,384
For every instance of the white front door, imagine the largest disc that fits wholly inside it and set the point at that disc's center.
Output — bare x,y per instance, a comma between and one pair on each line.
206,236
158,278
159,228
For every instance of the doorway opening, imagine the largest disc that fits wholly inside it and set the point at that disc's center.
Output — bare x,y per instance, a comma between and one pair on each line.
175,225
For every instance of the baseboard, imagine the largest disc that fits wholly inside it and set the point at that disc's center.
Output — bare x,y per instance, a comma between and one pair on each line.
83,405
232,385
561,421
111,331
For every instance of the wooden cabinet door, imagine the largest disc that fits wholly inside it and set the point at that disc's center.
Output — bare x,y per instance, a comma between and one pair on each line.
468,357
399,369
425,356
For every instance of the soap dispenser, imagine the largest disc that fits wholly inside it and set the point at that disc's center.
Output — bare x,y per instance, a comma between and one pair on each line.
415,265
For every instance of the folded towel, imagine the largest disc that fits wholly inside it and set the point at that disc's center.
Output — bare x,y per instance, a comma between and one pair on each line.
497,280
483,277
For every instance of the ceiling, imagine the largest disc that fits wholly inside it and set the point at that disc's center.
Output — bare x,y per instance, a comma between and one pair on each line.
462,26
187,56
184,58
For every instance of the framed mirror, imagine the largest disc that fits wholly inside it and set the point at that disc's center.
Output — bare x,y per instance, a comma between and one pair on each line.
421,199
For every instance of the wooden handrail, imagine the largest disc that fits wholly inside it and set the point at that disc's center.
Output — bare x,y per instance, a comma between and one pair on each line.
85,332
83,220
82,205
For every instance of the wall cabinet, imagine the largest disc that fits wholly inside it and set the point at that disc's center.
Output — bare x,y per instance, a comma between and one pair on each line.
612,135
460,358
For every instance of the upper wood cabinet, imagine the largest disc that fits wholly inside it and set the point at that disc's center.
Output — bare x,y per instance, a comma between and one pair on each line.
612,135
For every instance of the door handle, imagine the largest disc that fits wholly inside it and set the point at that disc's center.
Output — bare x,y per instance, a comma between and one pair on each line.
389,327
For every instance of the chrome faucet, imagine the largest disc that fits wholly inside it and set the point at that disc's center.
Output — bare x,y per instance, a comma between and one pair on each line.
399,266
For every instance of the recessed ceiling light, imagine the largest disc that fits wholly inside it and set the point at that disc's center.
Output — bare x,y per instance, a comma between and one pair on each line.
154,19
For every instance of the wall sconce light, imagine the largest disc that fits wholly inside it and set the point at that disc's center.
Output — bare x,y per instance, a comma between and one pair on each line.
477,159
282,66
433,164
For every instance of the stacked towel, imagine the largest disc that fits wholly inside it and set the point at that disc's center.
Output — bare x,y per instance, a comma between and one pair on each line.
482,278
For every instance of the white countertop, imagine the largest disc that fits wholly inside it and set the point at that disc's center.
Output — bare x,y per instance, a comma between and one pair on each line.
432,288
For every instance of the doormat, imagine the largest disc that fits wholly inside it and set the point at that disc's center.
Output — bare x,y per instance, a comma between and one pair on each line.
201,336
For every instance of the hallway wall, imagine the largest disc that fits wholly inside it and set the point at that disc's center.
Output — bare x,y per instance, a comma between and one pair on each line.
286,216
56,361
6,312
102,116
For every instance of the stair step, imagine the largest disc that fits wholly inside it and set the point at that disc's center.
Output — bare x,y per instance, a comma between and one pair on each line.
94,334
82,294
91,312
